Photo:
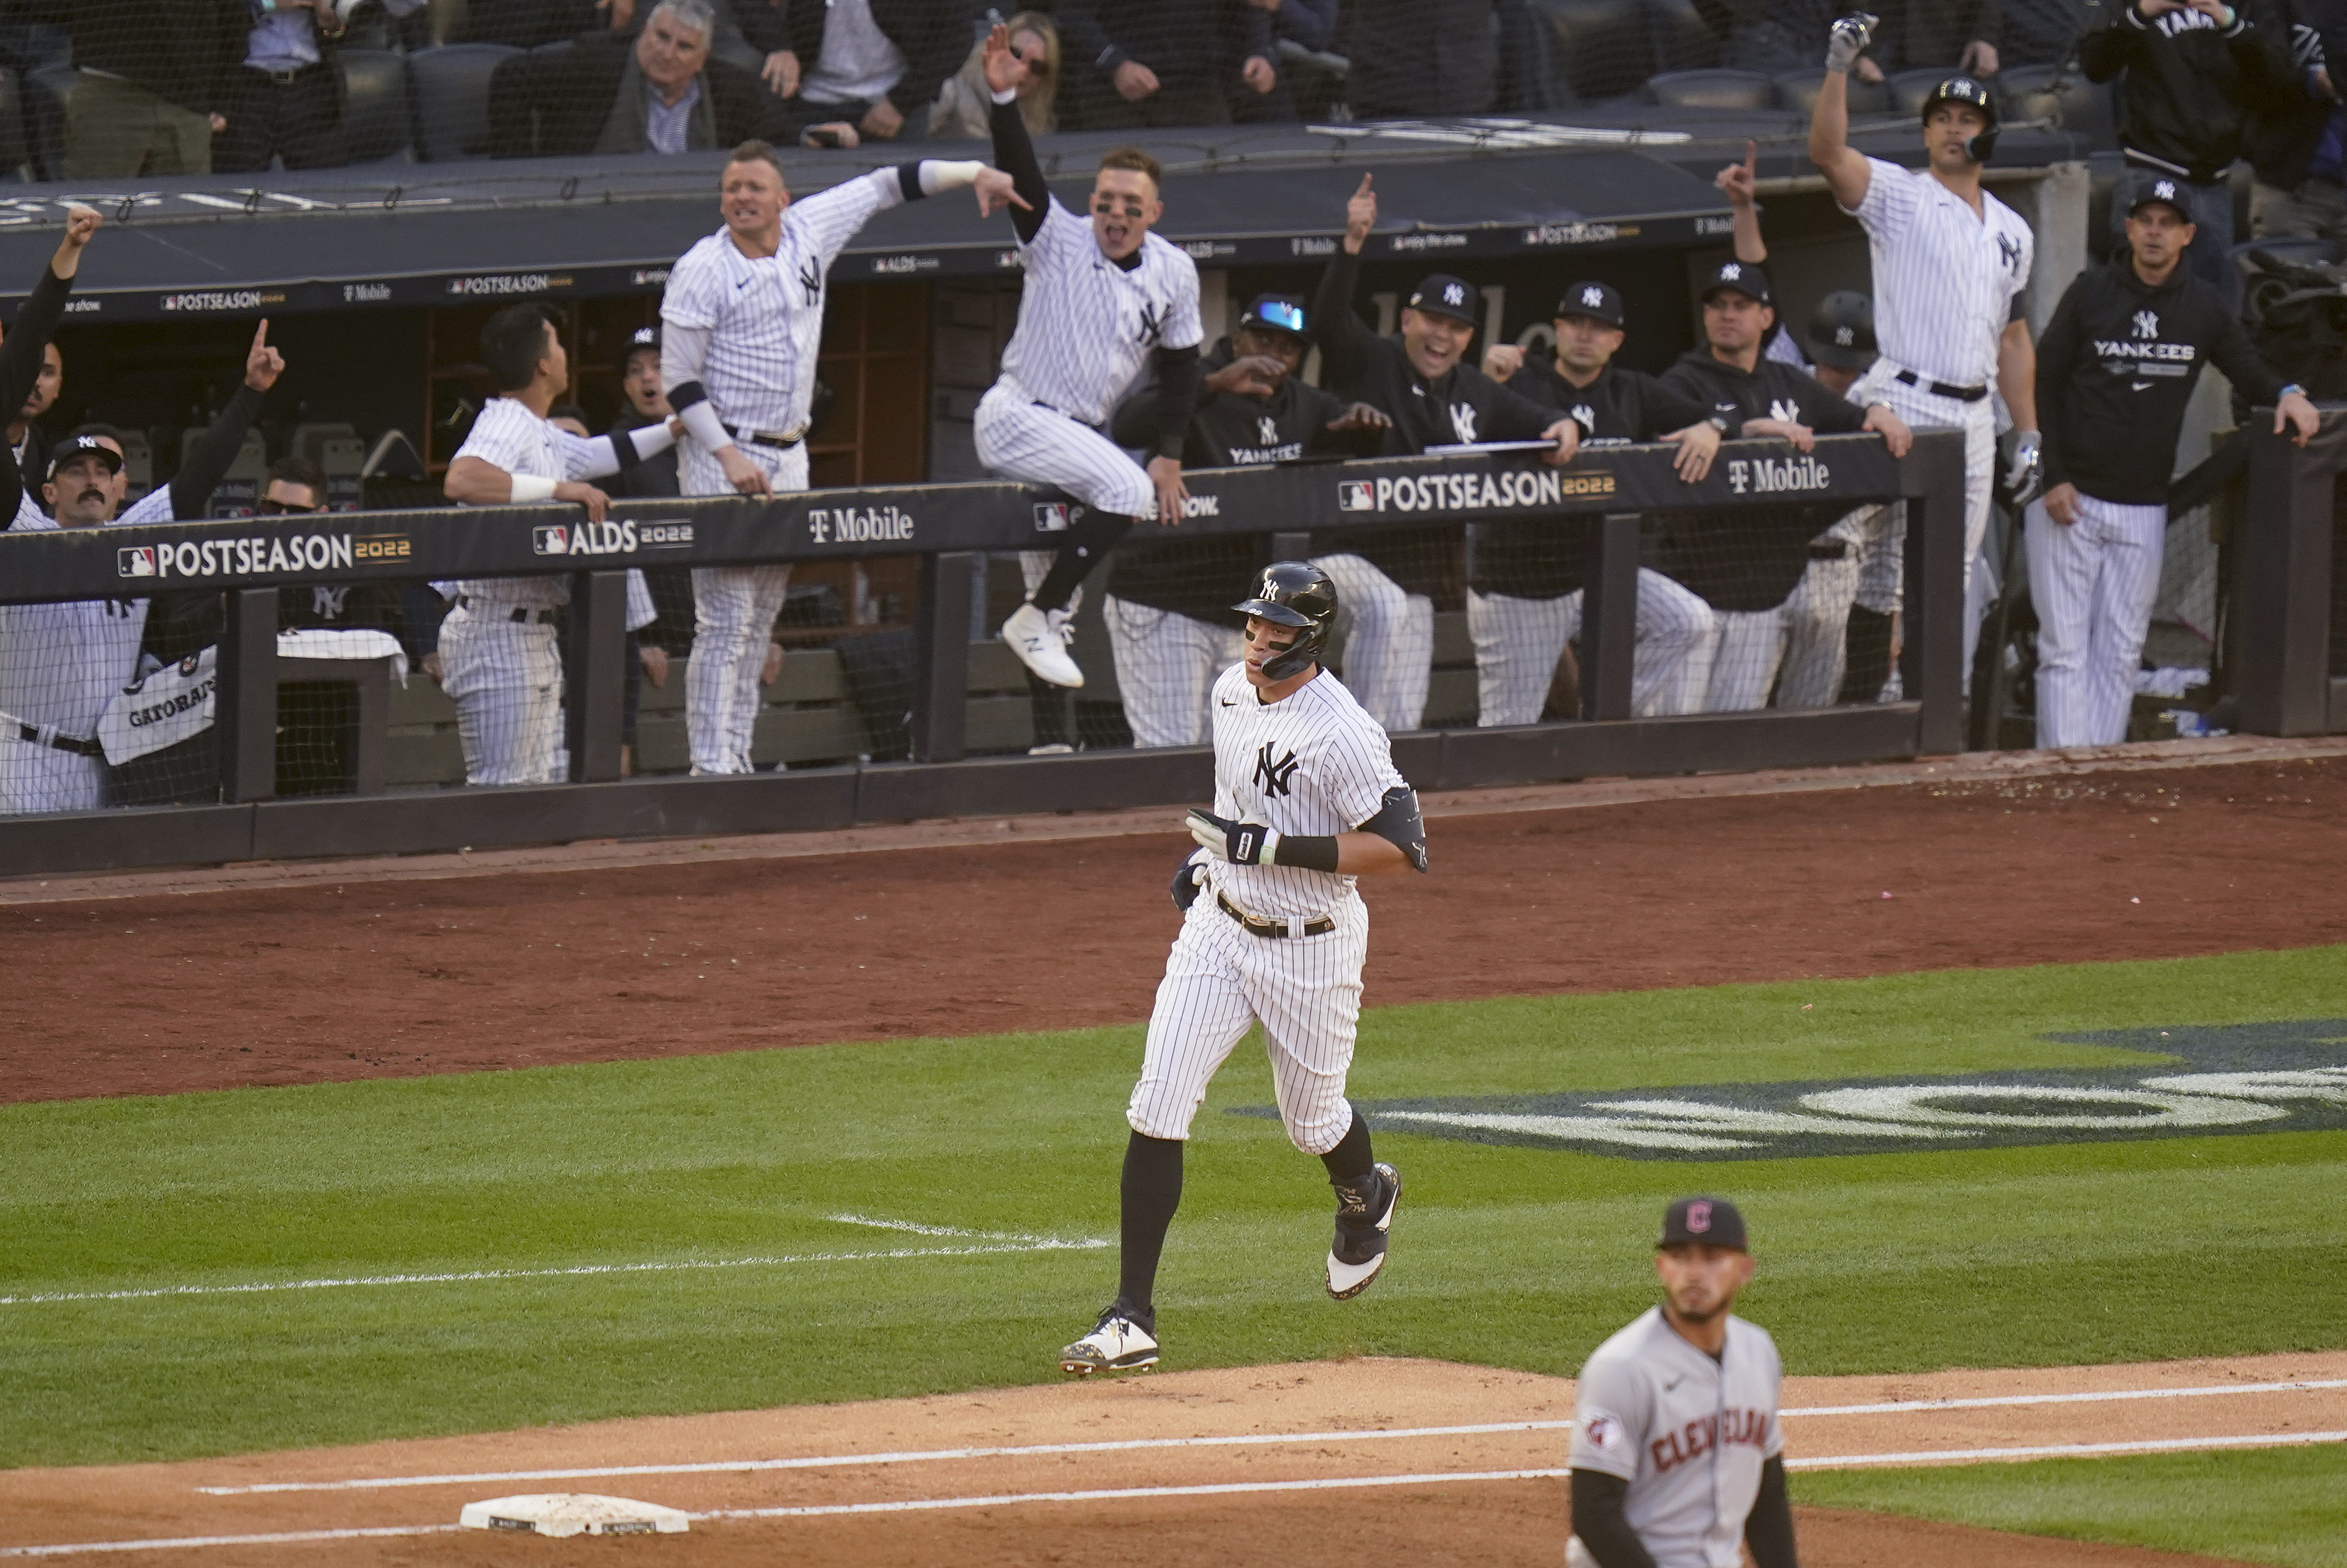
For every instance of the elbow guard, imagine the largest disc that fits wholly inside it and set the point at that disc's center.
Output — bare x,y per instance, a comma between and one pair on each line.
1398,822
684,395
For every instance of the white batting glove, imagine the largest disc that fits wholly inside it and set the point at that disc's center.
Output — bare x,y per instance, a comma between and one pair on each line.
1849,39
2027,474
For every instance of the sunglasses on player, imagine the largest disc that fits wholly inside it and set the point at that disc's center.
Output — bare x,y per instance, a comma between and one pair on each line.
270,507
1279,313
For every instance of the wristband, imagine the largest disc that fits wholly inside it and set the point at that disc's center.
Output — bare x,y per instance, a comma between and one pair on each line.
1316,852
939,175
531,487
1003,98
2293,386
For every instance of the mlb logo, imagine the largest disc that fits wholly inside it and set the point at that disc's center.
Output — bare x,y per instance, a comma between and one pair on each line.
1356,495
136,562
550,539
1052,517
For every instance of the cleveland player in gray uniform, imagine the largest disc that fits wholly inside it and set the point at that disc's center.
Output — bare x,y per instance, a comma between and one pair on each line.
742,321
1305,800
1677,1457
1101,299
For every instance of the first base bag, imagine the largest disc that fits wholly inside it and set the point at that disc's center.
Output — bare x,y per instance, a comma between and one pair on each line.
170,705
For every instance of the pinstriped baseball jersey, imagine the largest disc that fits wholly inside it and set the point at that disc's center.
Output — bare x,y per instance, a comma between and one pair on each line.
1313,763
60,663
1086,325
508,435
1943,280
765,313
1688,1433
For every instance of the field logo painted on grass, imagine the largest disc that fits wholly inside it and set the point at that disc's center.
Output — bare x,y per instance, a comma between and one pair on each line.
2244,1078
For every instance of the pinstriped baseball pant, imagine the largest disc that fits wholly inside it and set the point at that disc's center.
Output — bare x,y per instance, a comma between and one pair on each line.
1219,980
1389,641
1166,664
733,615
2094,584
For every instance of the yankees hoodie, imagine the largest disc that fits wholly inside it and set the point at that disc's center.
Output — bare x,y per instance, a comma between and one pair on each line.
2117,366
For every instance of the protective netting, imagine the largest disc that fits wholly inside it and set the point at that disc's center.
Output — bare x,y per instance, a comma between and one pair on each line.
112,88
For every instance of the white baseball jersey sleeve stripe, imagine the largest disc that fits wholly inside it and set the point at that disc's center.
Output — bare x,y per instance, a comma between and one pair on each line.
1944,279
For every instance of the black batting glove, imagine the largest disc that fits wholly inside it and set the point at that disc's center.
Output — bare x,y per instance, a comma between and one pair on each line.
1188,877
1240,843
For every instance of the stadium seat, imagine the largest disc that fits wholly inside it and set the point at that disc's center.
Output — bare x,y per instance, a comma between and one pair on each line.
252,458
1798,91
309,438
1602,45
1908,89
1718,89
448,89
376,126
138,464
45,93
1681,39
2064,97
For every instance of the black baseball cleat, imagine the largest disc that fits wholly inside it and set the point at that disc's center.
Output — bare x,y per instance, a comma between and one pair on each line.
1365,1210
1123,1340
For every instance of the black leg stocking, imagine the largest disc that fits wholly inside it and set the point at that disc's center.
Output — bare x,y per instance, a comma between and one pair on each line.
1087,545
1152,1191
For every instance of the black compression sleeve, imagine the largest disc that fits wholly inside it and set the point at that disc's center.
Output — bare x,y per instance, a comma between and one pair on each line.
1308,853
12,484
28,335
1178,374
1666,408
1598,1519
1343,337
1768,1527
208,464
1014,154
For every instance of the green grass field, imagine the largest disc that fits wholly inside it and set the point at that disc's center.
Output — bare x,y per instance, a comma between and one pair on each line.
1520,1257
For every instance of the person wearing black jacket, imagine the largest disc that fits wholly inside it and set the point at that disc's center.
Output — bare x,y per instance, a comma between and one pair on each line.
1387,578
2298,137
1523,586
155,84
929,38
1169,622
2188,71
1747,583
2114,370
1136,63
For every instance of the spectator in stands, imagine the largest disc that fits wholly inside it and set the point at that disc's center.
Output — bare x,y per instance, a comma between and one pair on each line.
2040,31
1170,624
1960,36
1775,35
2187,72
1146,63
963,105
289,96
1421,57
875,64
156,82
1309,26
660,92
2298,138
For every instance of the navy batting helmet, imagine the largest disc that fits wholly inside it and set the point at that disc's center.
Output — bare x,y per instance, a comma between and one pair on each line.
1970,93
1298,594
1841,330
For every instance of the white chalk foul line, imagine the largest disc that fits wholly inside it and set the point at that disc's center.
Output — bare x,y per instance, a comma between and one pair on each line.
678,1265
1218,1488
922,1456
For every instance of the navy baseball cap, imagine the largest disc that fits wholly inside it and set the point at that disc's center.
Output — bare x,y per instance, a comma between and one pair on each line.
1275,313
73,446
1595,300
643,337
1440,294
1703,1222
2145,186
1747,278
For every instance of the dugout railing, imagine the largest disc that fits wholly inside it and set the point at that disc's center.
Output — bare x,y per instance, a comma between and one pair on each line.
2291,593
950,529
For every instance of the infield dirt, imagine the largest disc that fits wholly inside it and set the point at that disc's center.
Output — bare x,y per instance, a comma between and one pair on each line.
169,993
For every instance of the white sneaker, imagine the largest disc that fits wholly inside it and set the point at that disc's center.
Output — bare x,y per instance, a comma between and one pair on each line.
1116,1344
1040,638
1365,1212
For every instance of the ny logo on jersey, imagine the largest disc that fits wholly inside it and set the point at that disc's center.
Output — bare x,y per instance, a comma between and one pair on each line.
2146,324
1462,421
1152,324
1584,416
2010,248
811,280
1273,777
326,602
1786,409
1269,429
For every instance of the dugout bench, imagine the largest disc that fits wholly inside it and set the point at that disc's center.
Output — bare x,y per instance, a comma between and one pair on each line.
950,528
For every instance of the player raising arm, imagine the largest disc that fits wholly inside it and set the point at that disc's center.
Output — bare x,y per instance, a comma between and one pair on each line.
1101,299
1950,262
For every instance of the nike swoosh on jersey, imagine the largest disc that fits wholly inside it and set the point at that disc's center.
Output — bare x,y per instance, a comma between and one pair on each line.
2140,386
1674,1383
1228,703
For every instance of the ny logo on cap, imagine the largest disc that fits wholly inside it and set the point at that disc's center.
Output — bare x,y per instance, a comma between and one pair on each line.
2164,190
1593,295
1699,1215
1844,336
1731,270
1453,294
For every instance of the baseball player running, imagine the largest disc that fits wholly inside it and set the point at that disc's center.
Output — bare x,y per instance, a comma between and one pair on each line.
2114,375
1524,593
1763,397
1172,632
499,662
1305,800
1950,262
1100,300
1677,1455
62,664
1388,575
742,321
